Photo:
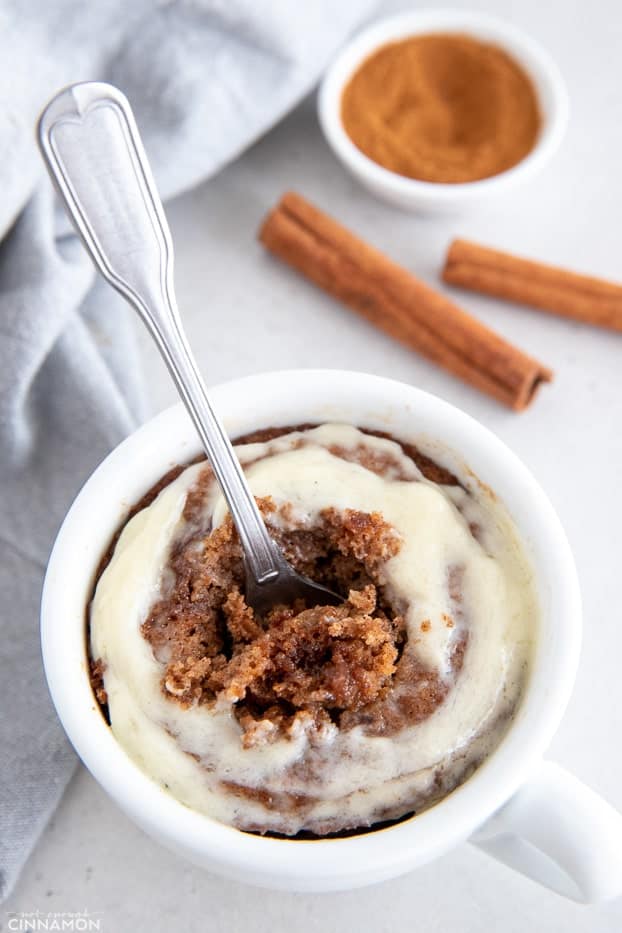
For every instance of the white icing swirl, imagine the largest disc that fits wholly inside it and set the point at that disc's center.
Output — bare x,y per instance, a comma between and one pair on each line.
351,776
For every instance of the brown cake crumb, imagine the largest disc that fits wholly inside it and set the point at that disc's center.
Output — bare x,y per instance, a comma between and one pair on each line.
335,657
97,669
319,661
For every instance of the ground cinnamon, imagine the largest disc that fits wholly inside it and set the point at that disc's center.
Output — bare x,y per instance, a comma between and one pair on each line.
442,108
398,303
587,299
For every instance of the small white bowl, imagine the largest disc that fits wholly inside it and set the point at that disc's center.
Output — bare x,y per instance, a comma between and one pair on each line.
409,193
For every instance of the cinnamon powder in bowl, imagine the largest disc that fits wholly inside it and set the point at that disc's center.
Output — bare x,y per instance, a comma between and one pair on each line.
442,108
435,110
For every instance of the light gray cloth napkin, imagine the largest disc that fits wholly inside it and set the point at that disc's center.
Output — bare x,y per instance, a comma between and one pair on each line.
205,78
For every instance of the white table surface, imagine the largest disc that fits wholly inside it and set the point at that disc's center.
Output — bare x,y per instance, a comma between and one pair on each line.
245,312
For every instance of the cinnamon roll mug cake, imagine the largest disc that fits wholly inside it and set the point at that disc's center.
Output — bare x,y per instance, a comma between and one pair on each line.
271,750
326,718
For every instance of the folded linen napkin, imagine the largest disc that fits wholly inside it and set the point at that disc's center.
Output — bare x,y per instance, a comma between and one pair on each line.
205,78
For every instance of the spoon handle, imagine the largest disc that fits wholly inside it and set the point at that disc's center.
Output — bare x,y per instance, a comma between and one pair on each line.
93,151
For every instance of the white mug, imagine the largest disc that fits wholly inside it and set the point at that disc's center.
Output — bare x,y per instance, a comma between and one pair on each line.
524,811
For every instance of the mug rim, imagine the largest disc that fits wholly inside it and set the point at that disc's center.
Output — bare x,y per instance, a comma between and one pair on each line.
323,863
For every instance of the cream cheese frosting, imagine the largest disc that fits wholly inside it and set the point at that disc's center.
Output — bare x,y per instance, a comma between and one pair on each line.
351,778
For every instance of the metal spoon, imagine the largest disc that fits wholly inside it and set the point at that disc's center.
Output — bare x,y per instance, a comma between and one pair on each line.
93,151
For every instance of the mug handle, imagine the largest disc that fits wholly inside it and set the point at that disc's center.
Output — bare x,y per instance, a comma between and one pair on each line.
558,832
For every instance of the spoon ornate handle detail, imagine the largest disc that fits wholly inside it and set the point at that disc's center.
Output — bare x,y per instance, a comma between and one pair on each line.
93,151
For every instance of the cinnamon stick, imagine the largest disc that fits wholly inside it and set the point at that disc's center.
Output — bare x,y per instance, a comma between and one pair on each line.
390,297
524,281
